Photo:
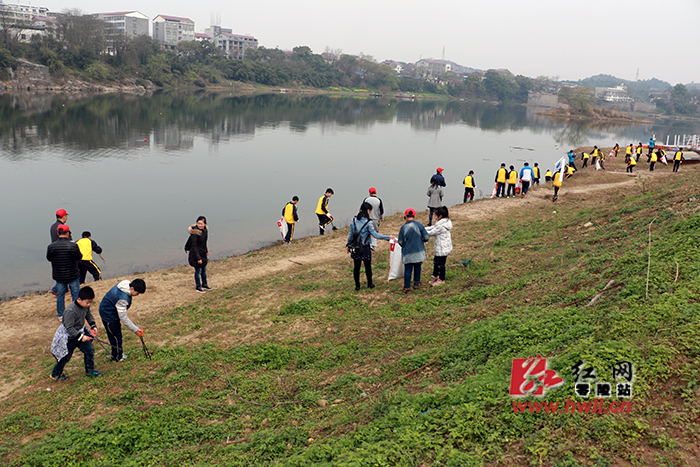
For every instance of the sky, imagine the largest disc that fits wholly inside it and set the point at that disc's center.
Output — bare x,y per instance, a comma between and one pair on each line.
568,39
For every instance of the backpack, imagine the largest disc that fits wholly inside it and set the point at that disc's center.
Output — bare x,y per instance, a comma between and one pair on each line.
188,244
355,243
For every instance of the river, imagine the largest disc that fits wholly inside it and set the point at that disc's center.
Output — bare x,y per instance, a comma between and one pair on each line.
137,171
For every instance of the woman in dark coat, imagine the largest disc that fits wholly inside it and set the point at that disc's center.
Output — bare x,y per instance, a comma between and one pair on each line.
199,254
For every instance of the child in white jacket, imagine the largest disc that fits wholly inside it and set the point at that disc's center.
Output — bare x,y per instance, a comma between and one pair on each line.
443,244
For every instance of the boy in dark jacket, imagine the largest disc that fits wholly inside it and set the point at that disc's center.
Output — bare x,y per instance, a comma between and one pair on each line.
113,309
72,334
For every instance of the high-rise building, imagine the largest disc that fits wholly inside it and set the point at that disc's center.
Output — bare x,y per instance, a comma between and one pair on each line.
171,30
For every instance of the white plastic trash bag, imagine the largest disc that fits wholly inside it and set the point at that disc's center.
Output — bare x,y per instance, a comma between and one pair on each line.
395,264
282,224
597,164
495,190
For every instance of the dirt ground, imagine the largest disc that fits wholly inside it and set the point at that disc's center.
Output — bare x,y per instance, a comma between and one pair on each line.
32,319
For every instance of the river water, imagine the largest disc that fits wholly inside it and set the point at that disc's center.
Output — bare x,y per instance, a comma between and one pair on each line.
136,171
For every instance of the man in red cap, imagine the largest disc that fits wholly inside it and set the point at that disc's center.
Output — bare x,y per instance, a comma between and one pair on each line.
64,256
61,218
376,214
438,179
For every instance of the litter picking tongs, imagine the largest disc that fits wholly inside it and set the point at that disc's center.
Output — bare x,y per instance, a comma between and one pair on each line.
146,352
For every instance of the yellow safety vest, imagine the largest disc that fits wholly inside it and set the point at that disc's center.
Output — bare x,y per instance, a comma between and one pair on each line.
319,207
501,175
678,156
512,177
468,181
289,213
85,245
632,161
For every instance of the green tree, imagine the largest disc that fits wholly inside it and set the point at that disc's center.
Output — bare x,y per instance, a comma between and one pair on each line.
580,99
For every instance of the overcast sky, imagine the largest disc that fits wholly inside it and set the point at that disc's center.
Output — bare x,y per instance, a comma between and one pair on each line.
571,39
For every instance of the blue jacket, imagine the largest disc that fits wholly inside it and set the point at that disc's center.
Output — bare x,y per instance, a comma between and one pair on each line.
572,156
365,232
412,238
532,174
438,179
108,305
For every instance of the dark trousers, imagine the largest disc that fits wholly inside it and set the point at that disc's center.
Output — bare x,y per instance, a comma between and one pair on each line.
439,267
290,233
651,166
556,193
572,164
200,272
676,164
411,268
89,266
585,163
511,188
114,334
526,186
430,215
323,221
468,194
500,189
368,271
88,356
629,168
536,182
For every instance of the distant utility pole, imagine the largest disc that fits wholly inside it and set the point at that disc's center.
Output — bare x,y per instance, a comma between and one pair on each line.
443,53
637,77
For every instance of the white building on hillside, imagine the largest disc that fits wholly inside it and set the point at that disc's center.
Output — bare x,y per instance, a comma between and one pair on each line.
130,24
13,14
171,30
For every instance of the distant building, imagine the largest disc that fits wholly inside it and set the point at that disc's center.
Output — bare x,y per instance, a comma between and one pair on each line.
129,24
171,30
199,37
233,45
433,68
20,14
398,67
616,94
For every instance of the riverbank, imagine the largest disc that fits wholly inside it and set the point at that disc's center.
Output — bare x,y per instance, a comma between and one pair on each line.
284,362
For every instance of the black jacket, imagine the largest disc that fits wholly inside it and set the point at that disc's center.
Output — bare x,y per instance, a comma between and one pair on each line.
53,231
199,246
64,256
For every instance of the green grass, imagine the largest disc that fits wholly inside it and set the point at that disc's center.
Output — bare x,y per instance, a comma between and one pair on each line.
217,393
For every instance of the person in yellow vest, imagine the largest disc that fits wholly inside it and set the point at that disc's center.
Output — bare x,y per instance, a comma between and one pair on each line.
677,159
512,180
653,157
616,148
569,171
628,151
548,176
501,177
639,151
584,157
290,217
469,186
86,264
594,155
601,159
631,162
324,217
556,183
536,172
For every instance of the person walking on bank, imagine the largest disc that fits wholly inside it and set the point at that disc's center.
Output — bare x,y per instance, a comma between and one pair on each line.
435,200
289,213
653,157
536,173
61,218
512,180
572,159
639,151
501,177
652,144
584,157
363,226
87,247
557,180
594,155
469,186
72,334
443,245
548,176
616,148
629,151
412,239
113,309
64,256
376,214
526,177
324,217
199,254
438,178
677,159
631,162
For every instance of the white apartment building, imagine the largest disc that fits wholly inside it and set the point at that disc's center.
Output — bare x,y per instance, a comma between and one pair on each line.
130,24
235,45
13,14
172,30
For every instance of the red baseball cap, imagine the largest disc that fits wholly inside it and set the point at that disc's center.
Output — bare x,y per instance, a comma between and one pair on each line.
372,190
61,213
439,169
410,212
63,228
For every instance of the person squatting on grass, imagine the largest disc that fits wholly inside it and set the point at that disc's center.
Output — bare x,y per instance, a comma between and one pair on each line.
443,244
199,253
72,334
412,239
113,313
362,224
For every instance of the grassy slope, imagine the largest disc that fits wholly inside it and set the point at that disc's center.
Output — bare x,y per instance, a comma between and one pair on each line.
205,399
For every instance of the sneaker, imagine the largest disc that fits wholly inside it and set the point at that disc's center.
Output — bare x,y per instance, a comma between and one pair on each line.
206,287
63,377
121,359
371,285
357,286
53,292
432,280
94,374
437,283
199,289
60,319
416,286
406,290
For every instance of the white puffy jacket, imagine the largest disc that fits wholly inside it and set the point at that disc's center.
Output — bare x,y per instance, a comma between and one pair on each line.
443,238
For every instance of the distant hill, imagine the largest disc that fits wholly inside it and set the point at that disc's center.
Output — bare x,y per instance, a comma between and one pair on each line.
639,89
